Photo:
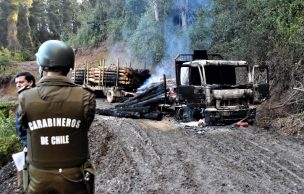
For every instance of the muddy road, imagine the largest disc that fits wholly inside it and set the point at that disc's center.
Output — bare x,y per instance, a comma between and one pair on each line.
145,156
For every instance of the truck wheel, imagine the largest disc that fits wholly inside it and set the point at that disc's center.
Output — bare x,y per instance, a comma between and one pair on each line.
208,120
110,96
183,114
251,121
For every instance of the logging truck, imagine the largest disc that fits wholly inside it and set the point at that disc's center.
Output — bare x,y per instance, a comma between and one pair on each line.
218,90
111,81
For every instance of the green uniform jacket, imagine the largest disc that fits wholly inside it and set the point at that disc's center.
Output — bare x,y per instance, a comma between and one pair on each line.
57,115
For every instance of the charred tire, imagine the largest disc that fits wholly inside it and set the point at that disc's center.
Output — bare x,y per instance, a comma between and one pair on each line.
251,121
110,96
208,119
197,114
183,114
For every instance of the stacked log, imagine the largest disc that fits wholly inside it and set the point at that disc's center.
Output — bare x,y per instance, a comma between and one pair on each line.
143,105
78,75
120,76
111,76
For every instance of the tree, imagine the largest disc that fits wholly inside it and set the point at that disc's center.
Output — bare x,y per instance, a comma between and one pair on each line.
200,31
13,43
38,22
154,4
3,22
147,43
184,10
133,11
24,31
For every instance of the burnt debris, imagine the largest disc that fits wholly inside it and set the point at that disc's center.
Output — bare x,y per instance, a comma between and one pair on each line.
143,105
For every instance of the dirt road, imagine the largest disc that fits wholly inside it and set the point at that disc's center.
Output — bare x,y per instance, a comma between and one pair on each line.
144,156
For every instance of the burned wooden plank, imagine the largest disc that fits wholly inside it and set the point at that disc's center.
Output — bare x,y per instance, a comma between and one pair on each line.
116,113
143,105
138,100
130,114
155,89
153,116
140,109
152,101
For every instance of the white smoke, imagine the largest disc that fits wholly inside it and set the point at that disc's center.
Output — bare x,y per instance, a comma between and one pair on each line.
177,40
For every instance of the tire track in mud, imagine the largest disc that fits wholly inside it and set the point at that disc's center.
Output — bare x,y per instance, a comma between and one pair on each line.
222,171
283,155
259,161
114,170
166,143
130,157
294,148
279,164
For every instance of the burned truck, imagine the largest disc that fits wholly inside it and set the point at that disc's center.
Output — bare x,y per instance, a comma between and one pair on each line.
220,91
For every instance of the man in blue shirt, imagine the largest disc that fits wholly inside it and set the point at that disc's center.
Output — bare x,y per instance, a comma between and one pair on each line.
23,80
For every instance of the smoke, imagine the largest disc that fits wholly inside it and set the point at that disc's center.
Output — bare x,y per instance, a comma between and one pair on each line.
119,51
176,29
176,35
158,74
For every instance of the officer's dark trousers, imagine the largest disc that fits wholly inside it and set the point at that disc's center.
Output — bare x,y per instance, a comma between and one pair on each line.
52,182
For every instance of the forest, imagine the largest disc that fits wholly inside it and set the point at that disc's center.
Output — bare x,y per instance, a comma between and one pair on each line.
153,31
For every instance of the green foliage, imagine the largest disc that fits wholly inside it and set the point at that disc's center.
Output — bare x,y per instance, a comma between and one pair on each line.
9,142
147,43
84,37
200,32
22,56
6,58
114,30
7,70
261,31
5,55
133,11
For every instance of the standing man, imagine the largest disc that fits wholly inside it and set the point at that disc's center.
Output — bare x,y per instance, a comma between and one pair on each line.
57,115
23,80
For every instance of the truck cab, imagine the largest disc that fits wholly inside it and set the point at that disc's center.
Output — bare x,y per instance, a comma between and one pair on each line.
220,91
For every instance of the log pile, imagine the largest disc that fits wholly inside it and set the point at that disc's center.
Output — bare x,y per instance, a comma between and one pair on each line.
104,76
111,76
143,105
117,77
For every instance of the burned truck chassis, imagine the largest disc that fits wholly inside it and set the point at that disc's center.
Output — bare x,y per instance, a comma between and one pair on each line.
217,90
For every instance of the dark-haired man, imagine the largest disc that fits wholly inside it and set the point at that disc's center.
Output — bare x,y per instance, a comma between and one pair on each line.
23,80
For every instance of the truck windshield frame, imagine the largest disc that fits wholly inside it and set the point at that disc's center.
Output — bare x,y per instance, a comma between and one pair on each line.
210,72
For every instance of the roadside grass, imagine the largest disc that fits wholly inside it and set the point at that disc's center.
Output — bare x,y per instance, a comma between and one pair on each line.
7,69
9,141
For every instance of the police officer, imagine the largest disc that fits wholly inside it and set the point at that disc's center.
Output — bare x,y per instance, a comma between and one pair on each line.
57,115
